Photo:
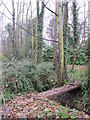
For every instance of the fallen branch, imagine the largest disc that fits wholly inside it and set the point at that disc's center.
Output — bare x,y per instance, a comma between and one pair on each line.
57,91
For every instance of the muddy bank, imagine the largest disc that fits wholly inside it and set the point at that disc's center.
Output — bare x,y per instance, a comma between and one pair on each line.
73,99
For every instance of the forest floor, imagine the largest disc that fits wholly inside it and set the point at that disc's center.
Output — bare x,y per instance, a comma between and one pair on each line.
30,106
76,67
67,105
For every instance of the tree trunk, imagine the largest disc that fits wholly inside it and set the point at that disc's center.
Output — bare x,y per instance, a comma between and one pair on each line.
75,55
18,30
89,48
32,52
25,39
55,38
65,10
39,31
13,29
75,22
60,47
21,42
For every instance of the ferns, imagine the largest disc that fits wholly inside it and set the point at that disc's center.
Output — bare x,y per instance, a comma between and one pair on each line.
21,76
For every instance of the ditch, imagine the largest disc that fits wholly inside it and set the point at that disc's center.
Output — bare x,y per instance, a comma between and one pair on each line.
73,99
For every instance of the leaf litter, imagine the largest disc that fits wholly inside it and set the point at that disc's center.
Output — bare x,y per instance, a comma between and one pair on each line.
31,107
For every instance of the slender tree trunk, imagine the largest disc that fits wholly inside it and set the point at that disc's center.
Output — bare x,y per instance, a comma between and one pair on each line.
3,48
25,39
36,22
9,45
84,25
55,38
60,47
65,10
22,30
39,31
18,30
75,55
32,52
89,48
13,29
75,20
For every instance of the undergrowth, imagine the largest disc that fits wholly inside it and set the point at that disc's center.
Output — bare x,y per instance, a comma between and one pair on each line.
85,90
27,76
81,75
76,74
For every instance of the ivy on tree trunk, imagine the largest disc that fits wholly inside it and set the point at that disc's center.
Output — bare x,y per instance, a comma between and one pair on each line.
40,16
65,10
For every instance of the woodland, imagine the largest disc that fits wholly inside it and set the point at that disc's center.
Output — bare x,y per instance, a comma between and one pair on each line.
45,73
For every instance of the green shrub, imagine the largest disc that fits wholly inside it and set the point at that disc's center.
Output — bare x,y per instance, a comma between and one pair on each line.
44,72
81,57
15,76
85,90
47,53
21,76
